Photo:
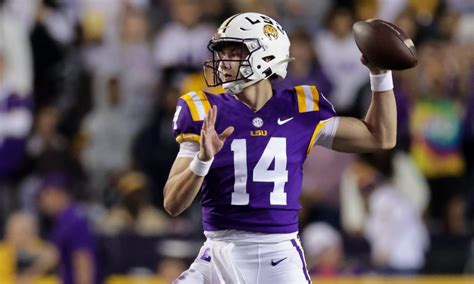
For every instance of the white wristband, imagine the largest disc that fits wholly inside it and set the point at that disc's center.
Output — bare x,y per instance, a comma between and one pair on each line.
200,168
381,82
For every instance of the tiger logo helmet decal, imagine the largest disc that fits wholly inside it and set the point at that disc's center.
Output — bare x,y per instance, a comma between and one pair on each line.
270,31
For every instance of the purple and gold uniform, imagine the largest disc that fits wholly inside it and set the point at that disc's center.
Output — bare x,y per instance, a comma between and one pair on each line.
255,180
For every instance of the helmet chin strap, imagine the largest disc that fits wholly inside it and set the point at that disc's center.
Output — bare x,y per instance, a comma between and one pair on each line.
238,86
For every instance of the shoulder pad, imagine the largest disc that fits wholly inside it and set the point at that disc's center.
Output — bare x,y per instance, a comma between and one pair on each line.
198,104
308,98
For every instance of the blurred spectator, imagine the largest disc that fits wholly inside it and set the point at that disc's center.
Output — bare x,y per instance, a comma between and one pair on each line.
451,244
70,231
464,31
16,50
424,10
100,22
394,227
106,123
447,24
100,18
22,253
48,150
389,10
365,9
51,35
455,217
340,59
169,49
306,14
137,74
220,11
15,124
154,151
176,254
170,268
436,124
324,251
266,7
305,69
321,188
155,147
123,101
15,103
45,136
407,179
134,214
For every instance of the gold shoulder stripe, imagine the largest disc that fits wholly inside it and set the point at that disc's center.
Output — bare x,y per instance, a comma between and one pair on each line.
205,103
301,98
308,98
315,97
315,134
187,137
198,104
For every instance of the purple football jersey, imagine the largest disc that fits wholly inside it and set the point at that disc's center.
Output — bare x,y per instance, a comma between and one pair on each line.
255,180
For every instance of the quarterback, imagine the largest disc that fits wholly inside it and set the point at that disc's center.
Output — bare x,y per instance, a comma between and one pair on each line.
244,151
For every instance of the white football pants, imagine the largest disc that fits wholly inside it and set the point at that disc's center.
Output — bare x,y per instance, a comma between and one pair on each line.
243,261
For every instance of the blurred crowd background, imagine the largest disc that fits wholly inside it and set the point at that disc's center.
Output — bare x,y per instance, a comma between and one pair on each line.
88,90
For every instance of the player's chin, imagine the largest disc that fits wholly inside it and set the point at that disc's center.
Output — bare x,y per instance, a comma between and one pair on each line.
227,78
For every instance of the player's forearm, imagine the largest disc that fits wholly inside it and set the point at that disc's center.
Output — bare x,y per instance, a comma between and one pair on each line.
180,191
381,119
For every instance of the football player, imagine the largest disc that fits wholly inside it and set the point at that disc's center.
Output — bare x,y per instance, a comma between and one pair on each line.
244,151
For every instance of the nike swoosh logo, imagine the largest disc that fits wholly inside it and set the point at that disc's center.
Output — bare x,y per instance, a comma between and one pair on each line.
205,256
276,262
281,122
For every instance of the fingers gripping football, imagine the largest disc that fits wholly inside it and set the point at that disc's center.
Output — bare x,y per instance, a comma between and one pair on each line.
384,45
212,142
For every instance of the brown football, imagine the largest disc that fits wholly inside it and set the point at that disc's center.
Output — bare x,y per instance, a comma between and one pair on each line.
385,45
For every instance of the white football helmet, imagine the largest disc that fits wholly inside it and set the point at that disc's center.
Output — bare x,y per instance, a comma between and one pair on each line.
268,47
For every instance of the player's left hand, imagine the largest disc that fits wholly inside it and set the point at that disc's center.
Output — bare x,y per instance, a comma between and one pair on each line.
211,142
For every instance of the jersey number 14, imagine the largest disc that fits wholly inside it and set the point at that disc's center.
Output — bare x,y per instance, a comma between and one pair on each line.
275,151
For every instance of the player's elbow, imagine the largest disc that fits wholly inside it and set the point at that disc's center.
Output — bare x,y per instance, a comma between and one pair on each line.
171,211
171,208
388,144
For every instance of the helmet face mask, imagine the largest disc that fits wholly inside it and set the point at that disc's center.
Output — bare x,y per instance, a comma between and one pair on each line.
267,47
213,73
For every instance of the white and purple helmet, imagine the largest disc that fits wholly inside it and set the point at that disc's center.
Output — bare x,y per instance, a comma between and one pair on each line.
267,43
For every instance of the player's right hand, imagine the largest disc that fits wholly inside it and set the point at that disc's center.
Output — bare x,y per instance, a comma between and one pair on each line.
211,142
372,68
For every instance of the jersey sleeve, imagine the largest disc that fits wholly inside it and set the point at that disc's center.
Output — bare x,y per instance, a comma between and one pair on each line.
310,99
190,112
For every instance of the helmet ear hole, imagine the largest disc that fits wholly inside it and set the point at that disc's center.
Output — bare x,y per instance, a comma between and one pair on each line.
268,58
258,66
